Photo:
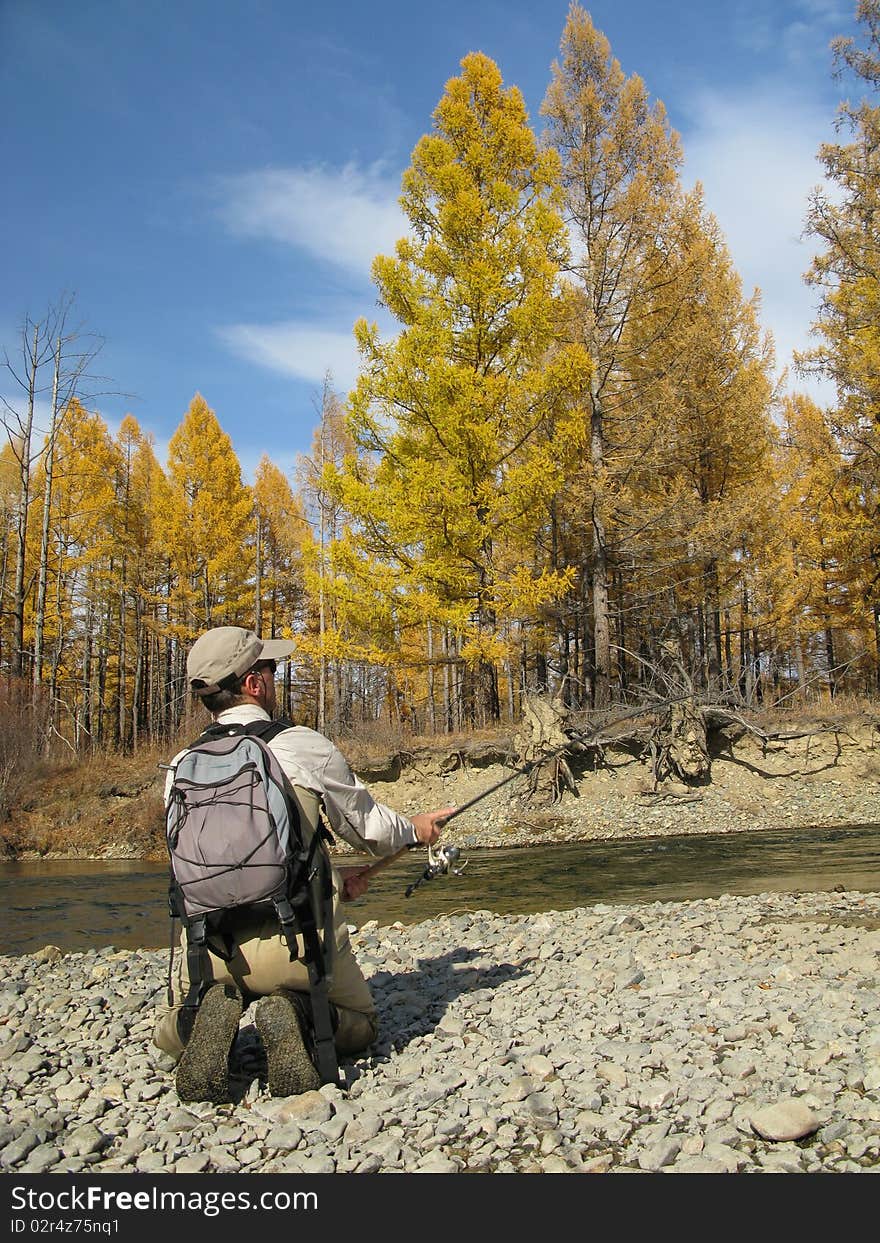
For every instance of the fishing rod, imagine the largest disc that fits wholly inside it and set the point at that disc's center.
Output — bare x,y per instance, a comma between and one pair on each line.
442,861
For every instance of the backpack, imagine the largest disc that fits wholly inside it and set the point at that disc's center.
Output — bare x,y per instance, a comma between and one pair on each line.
235,841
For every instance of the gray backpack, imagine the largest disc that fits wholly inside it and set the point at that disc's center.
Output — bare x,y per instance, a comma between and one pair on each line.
236,841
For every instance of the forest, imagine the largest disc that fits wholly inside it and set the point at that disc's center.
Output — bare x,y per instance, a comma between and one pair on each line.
572,471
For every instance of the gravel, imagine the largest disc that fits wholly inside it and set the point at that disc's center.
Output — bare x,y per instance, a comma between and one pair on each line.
735,1035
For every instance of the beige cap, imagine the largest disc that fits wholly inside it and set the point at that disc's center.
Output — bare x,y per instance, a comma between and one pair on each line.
219,657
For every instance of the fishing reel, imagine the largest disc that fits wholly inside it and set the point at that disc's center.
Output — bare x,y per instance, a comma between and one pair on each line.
440,863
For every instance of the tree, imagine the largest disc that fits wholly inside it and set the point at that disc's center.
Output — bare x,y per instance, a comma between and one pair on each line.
281,529
210,529
10,481
84,523
821,514
281,526
55,363
620,165
846,222
698,507
463,419
331,444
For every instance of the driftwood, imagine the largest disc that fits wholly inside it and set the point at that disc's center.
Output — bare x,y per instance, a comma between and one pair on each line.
478,755
678,744
673,735
542,733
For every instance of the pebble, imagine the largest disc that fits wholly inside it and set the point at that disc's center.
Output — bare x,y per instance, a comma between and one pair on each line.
725,1035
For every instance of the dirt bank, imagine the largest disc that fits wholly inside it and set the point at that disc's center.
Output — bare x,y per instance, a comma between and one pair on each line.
830,774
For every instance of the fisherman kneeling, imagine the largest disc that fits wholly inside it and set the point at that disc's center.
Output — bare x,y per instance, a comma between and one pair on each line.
261,913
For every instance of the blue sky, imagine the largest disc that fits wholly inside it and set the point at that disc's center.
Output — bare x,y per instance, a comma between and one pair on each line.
213,179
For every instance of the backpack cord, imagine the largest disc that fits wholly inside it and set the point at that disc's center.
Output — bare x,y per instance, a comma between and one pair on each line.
171,964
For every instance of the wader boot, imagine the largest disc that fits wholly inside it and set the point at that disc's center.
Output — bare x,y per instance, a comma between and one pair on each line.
203,1069
284,1024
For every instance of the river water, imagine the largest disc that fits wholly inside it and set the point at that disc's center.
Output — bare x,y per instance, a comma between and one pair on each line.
82,904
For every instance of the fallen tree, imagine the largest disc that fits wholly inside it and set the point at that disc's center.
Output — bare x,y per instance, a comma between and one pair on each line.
676,737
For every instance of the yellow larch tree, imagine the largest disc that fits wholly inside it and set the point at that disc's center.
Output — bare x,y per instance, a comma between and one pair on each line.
281,529
9,490
210,528
332,652
845,219
463,420
620,165
699,503
79,608
143,496
821,514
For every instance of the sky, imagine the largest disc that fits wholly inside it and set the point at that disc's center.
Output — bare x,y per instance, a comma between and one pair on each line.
212,179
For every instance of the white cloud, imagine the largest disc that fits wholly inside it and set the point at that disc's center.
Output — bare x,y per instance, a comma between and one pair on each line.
755,155
296,348
344,216
800,30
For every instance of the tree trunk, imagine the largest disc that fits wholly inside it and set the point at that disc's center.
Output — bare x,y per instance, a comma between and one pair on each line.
87,681
620,628
23,453
137,687
429,639
799,665
43,570
713,628
756,658
122,662
829,656
258,574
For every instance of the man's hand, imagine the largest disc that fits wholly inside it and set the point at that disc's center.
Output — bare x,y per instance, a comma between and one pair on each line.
428,825
354,882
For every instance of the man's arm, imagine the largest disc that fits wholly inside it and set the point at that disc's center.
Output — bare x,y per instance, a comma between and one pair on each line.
311,760
427,825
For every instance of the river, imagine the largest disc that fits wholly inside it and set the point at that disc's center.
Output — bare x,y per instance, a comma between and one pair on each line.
80,904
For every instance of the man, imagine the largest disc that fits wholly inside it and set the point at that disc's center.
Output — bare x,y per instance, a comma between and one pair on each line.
232,671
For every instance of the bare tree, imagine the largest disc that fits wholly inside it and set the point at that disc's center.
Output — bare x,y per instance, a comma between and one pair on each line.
55,368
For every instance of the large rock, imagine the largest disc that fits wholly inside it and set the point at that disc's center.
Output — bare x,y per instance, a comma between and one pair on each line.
785,1120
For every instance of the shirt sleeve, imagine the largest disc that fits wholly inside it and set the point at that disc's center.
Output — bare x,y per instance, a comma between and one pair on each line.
312,761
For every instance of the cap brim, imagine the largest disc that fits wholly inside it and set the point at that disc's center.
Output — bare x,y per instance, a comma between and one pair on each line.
276,649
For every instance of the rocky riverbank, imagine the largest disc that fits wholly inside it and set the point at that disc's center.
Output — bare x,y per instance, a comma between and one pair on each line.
740,1034
829,774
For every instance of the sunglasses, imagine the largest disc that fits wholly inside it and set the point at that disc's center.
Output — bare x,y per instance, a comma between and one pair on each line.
264,666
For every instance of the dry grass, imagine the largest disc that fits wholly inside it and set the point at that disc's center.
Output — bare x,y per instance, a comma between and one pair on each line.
844,709
377,740
108,803
22,733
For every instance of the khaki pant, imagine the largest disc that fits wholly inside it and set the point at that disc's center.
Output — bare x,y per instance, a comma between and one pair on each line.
260,965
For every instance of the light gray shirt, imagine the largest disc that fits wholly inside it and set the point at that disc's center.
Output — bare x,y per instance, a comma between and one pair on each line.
312,761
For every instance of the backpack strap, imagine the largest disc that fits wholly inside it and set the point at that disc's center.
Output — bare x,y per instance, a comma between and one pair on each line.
267,730
196,954
216,730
